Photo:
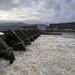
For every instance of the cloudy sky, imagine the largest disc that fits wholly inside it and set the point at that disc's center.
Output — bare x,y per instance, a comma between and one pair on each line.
49,11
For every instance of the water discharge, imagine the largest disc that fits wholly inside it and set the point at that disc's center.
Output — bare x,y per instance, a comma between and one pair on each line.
47,55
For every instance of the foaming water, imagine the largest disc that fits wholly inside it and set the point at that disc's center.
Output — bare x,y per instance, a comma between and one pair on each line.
3,63
69,35
47,55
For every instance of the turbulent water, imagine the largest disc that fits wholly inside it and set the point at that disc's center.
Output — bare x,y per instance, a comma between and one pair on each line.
47,55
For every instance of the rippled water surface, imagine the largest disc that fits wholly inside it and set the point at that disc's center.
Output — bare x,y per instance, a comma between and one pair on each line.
47,55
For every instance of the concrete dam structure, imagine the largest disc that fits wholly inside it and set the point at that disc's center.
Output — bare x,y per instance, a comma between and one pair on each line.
16,41
37,51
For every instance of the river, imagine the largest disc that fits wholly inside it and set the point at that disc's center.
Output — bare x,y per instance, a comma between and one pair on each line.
47,55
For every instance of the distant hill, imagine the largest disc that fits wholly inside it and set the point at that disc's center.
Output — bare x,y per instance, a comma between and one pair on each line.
12,25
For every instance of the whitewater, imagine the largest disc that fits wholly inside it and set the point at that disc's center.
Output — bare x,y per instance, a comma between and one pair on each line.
47,55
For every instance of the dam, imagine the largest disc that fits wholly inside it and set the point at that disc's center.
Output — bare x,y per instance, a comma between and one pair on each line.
44,55
48,54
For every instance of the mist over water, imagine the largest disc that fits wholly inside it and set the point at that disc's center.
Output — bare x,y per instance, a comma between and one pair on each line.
47,55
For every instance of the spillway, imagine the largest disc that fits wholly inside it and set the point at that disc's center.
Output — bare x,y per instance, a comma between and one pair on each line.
47,55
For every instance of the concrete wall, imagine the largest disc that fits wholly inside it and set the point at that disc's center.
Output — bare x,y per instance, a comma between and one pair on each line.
41,27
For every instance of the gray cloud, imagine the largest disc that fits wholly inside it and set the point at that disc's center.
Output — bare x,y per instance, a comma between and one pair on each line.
6,4
45,10
10,4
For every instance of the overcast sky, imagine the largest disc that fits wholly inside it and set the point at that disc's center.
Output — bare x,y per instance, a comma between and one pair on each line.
49,11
